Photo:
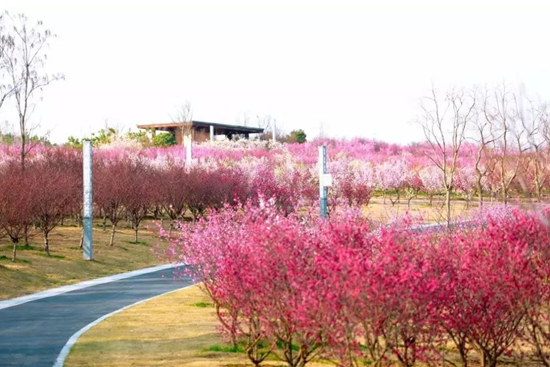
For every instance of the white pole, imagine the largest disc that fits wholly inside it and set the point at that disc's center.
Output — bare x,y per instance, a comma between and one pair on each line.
273,134
323,191
189,153
87,215
211,133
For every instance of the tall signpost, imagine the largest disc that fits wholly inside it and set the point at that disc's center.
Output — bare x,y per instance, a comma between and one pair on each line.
211,133
87,215
325,180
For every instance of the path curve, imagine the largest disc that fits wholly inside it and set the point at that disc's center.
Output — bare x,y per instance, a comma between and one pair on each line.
35,331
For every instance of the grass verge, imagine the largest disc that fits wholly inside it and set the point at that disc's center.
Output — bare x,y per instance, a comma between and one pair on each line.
171,330
34,271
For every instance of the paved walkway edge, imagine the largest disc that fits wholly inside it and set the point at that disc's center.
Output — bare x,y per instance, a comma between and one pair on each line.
88,283
72,340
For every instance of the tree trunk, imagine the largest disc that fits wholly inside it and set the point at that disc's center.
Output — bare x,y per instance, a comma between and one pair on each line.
479,188
396,201
14,253
534,329
448,205
504,194
482,358
230,328
104,222
82,239
112,240
488,360
464,358
538,191
26,231
47,243
136,229
23,140
462,350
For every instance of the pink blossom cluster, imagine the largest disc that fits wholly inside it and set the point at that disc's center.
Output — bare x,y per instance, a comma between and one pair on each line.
359,166
300,288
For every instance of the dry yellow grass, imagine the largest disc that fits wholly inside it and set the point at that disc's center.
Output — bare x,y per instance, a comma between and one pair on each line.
380,211
34,271
170,330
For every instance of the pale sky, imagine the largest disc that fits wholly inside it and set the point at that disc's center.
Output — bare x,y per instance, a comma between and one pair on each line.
357,69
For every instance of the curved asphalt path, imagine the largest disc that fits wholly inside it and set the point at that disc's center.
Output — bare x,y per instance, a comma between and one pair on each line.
35,332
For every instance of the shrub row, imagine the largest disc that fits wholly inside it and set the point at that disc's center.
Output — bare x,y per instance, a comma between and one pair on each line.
132,186
301,288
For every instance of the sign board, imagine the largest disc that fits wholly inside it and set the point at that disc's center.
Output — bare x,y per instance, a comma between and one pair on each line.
326,180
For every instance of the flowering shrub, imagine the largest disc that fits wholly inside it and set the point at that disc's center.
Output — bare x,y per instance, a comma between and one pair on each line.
300,287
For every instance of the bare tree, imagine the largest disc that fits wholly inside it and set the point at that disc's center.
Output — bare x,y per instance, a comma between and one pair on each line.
534,121
484,137
26,62
6,49
184,115
265,122
269,124
321,130
243,119
444,121
503,111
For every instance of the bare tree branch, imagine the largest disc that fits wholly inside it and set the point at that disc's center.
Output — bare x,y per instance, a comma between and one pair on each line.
25,65
444,121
